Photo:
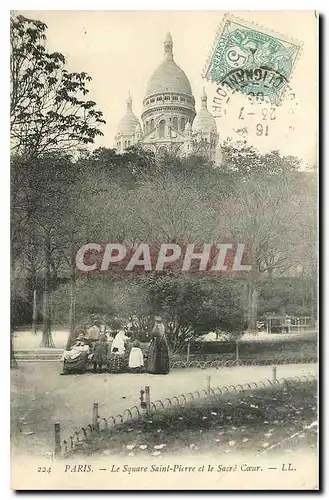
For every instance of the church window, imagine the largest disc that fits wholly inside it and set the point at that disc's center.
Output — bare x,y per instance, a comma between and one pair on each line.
128,144
146,127
175,123
162,128
152,100
159,98
167,98
175,98
182,124
152,124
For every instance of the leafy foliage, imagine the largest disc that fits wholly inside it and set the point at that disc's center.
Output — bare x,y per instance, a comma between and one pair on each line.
193,306
60,203
243,160
48,109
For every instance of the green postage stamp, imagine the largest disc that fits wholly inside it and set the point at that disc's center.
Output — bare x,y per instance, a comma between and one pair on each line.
246,59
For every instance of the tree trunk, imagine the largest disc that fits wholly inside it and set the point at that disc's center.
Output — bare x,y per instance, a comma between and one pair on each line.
47,340
252,305
72,301
314,304
13,362
13,312
13,319
34,312
72,317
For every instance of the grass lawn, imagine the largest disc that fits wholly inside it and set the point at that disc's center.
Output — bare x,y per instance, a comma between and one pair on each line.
251,421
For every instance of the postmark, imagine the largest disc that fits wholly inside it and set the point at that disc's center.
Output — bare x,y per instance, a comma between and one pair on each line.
248,59
253,115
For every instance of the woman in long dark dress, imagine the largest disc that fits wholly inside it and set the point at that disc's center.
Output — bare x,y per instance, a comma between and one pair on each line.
158,355
75,360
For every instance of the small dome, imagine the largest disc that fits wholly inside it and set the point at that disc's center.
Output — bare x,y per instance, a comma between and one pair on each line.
168,76
128,123
204,121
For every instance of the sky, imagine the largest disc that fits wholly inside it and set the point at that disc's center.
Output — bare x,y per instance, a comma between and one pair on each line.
120,50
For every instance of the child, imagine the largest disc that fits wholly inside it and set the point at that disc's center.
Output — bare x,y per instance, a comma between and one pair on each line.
100,353
136,360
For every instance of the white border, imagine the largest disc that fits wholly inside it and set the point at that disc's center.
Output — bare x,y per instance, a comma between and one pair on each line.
232,5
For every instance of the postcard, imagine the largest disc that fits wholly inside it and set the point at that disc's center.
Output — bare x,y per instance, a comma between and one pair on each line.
164,250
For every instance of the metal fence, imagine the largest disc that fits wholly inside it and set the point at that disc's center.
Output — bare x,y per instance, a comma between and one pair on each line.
230,360
100,424
248,352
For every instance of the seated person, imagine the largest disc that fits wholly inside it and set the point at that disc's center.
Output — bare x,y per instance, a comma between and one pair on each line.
75,360
79,332
136,359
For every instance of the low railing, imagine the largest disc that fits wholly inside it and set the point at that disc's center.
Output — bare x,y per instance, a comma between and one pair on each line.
227,361
100,424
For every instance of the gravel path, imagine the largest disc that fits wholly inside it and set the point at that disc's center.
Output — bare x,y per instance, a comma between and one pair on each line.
40,396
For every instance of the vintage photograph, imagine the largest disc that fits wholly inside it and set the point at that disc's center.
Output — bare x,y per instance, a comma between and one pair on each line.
164,250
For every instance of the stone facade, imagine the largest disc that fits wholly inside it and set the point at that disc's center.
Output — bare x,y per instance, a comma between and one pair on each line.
169,120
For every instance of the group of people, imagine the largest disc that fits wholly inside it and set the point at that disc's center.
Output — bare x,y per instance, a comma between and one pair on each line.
123,354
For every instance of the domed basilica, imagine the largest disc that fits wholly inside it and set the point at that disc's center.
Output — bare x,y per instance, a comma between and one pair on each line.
170,122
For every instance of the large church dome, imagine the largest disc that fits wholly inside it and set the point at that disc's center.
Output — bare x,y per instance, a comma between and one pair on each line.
168,76
169,121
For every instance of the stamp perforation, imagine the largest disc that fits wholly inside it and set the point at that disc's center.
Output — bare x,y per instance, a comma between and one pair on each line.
256,26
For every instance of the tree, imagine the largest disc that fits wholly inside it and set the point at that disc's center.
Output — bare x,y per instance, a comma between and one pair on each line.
286,295
49,117
48,109
270,214
45,189
165,204
243,160
192,306
272,208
